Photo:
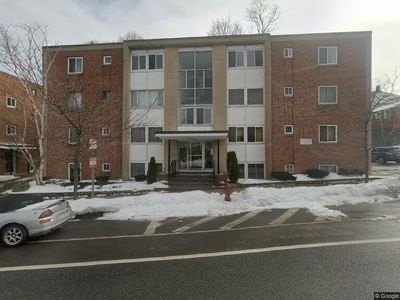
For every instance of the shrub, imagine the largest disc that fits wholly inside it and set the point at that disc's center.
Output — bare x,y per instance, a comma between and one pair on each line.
103,179
20,187
45,178
233,167
140,177
316,173
350,172
283,176
152,171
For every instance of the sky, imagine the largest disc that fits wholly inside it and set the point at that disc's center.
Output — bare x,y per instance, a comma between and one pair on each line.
77,21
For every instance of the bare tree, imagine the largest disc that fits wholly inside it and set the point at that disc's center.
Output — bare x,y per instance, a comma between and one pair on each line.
21,55
263,16
387,86
225,26
130,35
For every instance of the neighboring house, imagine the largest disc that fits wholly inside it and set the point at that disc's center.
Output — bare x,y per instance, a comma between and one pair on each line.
386,120
13,102
284,102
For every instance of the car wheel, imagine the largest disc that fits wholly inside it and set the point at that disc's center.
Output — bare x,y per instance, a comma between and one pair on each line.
381,160
13,235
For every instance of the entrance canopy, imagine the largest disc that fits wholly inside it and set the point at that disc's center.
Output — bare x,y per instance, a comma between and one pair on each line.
193,135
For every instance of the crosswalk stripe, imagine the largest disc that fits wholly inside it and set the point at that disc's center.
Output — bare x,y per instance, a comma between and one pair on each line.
241,220
151,228
189,226
286,215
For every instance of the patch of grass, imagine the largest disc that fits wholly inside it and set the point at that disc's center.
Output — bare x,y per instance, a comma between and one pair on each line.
20,187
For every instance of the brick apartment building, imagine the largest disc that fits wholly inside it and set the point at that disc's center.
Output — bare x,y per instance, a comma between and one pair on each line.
283,102
12,125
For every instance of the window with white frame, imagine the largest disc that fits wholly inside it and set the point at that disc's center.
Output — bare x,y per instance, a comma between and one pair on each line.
255,134
11,129
105,131
327,95
288,91
137,169
107,60
235,59
72,135
255,96
75,65
147,98
105,167
287,52
155,61
152,135
139,62
11,102
74,101
289,168
329,168
288,129
106,95
327,55
236,134
255,171
236,96
138,135
242,171
327,133
254,58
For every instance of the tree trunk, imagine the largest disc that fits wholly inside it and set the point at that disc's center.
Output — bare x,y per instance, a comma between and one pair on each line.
366,153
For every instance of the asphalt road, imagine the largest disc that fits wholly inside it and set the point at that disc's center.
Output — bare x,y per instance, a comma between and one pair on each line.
290,261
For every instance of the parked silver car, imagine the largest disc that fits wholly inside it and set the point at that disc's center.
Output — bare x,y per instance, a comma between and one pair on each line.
24,216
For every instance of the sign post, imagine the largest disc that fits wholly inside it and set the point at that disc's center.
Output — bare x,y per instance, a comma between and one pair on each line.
92,160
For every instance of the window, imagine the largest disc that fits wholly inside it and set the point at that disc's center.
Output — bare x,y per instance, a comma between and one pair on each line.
159,168
235,59
74,101
155,61
236,97
138,169
242,173
75,65
329,168
11,130
327,55
288,129
72,135
256,171
287,52
138,135
254,134
289,168
288,91
203,115
327,94
196,115
11,102
107,60
105,167
254,58
106,95
328,134
138,62
386,114
105,131
152,136
236,134
255,96
147,98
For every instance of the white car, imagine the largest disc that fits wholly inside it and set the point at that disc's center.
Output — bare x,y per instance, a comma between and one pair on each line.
23,216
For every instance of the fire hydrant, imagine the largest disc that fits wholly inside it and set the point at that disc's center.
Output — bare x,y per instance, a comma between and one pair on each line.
227,191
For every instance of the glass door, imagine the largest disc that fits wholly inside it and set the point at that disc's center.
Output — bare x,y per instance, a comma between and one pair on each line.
195,156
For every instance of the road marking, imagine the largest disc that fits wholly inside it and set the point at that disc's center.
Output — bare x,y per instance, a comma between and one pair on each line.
320,219
151,229
241,219
196,256
196,223
286,215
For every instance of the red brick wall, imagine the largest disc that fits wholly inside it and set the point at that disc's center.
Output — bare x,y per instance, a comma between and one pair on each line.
305,75
95,79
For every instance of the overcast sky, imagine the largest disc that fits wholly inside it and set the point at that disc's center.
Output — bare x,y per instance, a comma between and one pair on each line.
77,21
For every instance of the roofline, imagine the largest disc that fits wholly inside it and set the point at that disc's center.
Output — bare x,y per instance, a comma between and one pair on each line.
322,35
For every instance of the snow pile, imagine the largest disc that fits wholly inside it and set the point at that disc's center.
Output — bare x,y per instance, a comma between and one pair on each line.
7,177
159,206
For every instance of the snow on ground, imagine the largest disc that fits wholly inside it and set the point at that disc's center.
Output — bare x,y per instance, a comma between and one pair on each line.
7,177
159,206
299,177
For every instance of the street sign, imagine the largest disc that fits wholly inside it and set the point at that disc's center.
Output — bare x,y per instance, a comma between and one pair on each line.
92,162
